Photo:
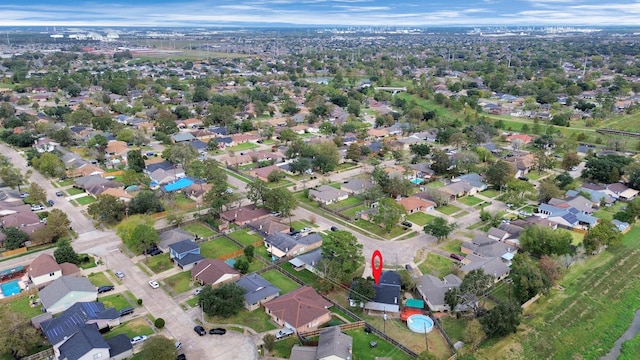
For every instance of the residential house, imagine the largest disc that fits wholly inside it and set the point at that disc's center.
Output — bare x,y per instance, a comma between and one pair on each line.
474,180
458,189
116,149
387,299
414,204
21,220
333,344
485,246
173,236
88,343
522,138
284,245
60,328
85,170
302,309
263,172
182,137
119,193
44,269
65,291
356,186
268,226
522,162
566,216
45,145
185,254
622,192
213,272
326,194
433,290
494,266
244,214
307,261
257,291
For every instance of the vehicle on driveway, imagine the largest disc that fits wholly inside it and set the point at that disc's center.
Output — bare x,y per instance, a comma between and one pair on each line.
50,202
217,331
198,291
104,289
456,257
126,311
24,195
138,339
305,230
333,228
181,357
154,284
119,274
407,224
153,251
200,330
284,333
37,207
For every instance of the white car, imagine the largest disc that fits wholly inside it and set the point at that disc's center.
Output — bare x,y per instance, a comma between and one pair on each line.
198,291
138,339
154,284
37,207
119,274
305,230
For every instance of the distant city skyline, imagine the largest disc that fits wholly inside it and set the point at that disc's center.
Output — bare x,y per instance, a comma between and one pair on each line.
168,13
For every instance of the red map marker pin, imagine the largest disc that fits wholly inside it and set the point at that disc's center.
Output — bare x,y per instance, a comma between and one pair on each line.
377,271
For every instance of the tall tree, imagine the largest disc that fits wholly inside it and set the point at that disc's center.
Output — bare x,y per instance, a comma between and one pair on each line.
14,237
326,157
37,195
440,161
12,177
502,319
17,335
389,214
108,209
257,191
439,228
65,253
603,234
542,240
145,202
135,160
362,290
343,254
225,300
49,164
182,154
158,347
499,173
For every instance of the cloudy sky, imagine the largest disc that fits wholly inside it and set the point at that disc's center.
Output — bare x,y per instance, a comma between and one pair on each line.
318,12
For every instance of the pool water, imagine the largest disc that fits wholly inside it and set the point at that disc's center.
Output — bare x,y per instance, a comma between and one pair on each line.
420,323
230,262
10,288
417,181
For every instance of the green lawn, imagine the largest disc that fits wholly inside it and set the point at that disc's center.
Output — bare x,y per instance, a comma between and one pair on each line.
280,281
282,349
193,302
241,147
216,248
435,184
470,200
490,193
159,263
66,182
199,229
132,328
85,200
452,246
258,320
305,275
87,262
246,237
99,279
351,212
180,282
384,349
436,265
373,228
576,238
74,191
350,201
118,301
447,209
460,214
535,175
454,327
606,213
420,218
23,306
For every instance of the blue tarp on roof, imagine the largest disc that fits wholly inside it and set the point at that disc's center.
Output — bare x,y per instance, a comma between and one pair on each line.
178,185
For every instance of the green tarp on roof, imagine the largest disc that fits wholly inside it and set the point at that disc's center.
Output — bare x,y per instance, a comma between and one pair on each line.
415,303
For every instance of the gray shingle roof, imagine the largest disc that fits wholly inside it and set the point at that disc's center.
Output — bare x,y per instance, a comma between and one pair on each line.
257,288
60,287
87,338
76,316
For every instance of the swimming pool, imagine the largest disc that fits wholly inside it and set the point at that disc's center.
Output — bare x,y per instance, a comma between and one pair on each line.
417,181
230,262
10,288
420,323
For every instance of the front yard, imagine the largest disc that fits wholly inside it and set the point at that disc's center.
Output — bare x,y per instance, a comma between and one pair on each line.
180,282
448,209
420,218
378,230
258,320
159,263
99,279
470,200
436,265
85,200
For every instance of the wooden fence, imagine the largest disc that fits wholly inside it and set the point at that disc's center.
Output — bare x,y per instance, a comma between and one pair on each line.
14,252
22,294
42,355
343,327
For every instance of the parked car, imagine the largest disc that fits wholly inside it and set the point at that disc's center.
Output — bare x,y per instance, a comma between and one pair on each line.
456,257
154,284
275,213
523,178
37,207
305,230
59,193
284,333
126,311
181,357
153,251
333,228
24,195
407,224
200,330
50,202
104,289
198,291
119,274
138,339
294,233
409,267
217,331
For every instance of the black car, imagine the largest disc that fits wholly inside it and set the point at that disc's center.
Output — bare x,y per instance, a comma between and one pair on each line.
407,224
408,267
181,357
523,178
59,193
217,331
104,289
50,202
456,257
333,228
151,250
200,330
294,233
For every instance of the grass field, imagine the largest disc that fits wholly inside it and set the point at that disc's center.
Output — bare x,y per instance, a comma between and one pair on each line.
118,301
159,263
436,265
85,200
258,320
378,230
74,191
490,193
448,209
384,349
420,218
245,237
132,328
594,308
216,248
280,281
199,229
241,147
435,184
470,200
305,275
99,279
350,201
180,282
23,306
351,212
452,246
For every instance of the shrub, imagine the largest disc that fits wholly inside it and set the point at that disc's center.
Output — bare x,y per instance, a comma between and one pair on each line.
139,301
159,323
